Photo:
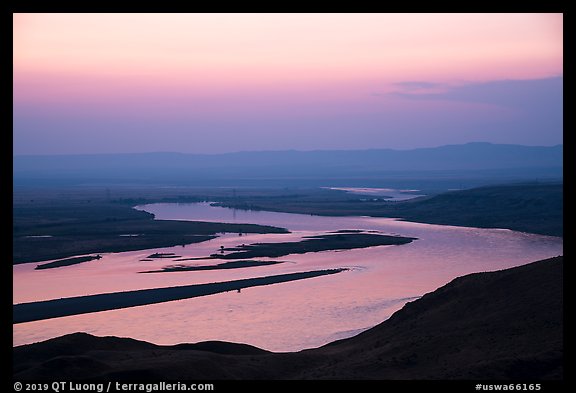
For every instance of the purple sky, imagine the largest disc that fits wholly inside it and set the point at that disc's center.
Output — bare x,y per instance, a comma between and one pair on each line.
209,83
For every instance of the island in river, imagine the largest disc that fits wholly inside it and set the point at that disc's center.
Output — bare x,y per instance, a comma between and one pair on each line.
67,262
47,309
333,241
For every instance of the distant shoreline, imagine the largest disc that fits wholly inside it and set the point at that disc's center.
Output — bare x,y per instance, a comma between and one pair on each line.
525,207
47,227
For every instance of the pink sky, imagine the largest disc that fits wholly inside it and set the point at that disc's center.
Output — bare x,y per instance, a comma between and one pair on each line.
265,73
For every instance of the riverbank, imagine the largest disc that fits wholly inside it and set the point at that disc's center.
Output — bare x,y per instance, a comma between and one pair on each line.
55,223
53,228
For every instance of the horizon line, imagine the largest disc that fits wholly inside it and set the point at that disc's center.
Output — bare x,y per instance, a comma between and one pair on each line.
280,151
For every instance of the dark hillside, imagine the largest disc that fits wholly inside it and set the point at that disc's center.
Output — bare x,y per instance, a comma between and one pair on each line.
534,208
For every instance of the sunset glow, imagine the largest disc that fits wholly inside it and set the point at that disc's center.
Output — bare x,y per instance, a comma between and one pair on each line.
175,78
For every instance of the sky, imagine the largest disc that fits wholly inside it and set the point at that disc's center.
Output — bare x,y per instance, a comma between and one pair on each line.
215,83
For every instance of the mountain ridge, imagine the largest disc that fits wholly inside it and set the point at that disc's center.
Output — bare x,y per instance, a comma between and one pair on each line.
473,160
384,149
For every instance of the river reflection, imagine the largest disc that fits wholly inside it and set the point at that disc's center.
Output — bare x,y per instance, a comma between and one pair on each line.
282,317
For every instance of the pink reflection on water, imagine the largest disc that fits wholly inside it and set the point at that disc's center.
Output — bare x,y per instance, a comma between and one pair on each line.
282,317
117,271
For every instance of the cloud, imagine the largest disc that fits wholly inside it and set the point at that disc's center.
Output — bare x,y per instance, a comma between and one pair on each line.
532,94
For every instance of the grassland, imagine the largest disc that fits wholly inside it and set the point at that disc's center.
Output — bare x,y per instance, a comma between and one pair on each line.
49,227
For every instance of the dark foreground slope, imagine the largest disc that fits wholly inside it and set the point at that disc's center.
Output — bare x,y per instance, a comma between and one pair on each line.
499,325
505,324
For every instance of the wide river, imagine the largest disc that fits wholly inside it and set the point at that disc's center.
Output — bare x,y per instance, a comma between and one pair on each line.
282,317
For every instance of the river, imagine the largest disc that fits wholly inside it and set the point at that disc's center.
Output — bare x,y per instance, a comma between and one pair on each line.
282,317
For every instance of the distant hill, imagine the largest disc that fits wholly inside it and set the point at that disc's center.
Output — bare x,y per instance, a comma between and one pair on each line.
503,325
535,207
323,168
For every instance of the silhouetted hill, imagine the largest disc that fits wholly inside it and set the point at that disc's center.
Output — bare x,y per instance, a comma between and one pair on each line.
534,208
498,325
504,325
479,160
528,207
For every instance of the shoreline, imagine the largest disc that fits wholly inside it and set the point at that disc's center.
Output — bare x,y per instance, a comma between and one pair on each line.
47,228
90,238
